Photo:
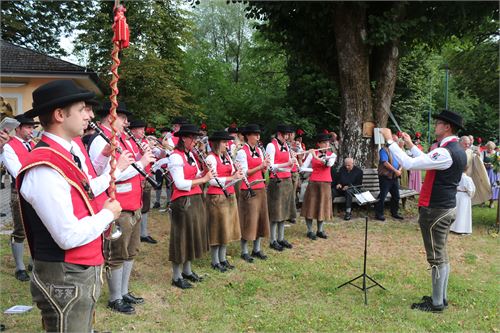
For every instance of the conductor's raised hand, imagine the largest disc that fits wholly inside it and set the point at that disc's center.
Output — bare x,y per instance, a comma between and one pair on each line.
386,133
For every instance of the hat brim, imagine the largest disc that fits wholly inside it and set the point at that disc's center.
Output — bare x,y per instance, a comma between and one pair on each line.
104,113
449,121
60,102
187,133
251,132
220,138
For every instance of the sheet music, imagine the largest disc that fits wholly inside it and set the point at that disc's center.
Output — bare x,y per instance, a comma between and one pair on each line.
364,197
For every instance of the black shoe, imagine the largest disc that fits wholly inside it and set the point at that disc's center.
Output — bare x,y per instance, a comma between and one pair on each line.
149,239
311,235
226,264
276,246
121,306
259,255
285,243
22,275
193,277
347,216
219,267
429,299
293,221
380,218
30,267
131,299
3,214
427,306
398,217
246,257
156,205
181,283
321,234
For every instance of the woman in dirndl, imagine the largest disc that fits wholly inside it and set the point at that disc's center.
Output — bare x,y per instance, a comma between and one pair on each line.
223,221
318,198
188,230
252,204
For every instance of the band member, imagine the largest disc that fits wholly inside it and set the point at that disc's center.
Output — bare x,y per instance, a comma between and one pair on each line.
294,148
137,128
280,196
188,229
223,221
318,198
253,212
63,225
437,201
15,153
120,253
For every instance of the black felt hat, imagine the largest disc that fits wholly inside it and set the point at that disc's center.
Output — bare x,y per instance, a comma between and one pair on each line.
137,123
220,135
251,128
233,129
451,118
57,94
320,137
23,120
188,129
284,128
103,111
179,121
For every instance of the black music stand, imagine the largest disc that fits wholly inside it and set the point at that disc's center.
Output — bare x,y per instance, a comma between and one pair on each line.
357,190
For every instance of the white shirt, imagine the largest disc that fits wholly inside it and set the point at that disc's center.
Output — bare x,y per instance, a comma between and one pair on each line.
50,196
437,159
213,163
307,165
10,158
95,151
176,168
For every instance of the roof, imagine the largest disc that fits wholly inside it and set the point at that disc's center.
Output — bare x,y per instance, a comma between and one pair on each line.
17,59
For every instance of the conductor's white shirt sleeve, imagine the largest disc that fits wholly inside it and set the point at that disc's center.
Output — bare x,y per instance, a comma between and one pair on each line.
437,159
50,196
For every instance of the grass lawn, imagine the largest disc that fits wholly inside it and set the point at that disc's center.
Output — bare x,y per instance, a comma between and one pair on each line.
296,290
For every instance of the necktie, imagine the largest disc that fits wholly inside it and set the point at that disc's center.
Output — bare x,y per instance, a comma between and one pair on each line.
189,159
282,145
254,152
76,159
224,159
27,145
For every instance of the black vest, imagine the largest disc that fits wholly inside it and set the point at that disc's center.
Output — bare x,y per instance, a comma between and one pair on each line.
444,188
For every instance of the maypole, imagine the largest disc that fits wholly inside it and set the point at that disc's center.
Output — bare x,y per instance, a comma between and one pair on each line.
120,41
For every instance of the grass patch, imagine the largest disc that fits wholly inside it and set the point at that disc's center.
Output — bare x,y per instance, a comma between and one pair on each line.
296,290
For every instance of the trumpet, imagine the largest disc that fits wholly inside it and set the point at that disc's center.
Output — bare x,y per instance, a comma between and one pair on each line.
273,171
143,173
159,142
203,159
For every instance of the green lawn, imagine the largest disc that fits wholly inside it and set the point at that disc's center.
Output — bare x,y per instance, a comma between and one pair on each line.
296,290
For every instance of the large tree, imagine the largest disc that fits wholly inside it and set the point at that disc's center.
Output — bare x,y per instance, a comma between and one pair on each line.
358,45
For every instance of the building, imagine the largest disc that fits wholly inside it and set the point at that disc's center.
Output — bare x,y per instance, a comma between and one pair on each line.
23,70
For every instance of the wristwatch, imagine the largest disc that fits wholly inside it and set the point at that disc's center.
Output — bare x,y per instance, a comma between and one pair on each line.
389,142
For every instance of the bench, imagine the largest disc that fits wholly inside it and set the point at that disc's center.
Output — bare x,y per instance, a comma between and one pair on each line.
370,183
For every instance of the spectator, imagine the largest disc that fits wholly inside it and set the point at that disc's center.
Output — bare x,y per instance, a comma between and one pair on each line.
488,155
388,172
347,176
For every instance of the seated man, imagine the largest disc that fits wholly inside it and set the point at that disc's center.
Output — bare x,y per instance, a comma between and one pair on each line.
348,175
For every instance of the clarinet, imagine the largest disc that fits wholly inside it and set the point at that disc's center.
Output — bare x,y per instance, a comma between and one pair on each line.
119,150
137,142
247,183
204,160
273,171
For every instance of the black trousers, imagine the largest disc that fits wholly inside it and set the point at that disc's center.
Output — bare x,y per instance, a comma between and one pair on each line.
340,193
387,185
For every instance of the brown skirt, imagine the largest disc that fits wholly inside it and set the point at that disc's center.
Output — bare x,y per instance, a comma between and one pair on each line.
223,221
146,198
188,229
281,200
317,201
254,217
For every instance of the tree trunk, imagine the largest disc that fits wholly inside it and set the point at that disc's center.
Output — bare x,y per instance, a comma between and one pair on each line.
354,81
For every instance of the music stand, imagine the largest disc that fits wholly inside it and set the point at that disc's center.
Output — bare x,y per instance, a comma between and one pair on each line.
362,200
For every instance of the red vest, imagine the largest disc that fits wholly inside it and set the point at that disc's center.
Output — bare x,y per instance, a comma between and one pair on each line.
175,139
42,246
190,172
20,149
101,198
128,192
280,157
253,162
223,170
137,152
321,172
